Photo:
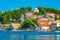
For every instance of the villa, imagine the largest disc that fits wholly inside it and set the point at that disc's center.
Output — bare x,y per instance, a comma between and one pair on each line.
44,24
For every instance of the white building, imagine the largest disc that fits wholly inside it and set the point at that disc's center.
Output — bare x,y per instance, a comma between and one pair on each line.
44,24
58,23
36,10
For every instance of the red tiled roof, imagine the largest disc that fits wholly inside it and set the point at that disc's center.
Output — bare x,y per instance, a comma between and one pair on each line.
45,25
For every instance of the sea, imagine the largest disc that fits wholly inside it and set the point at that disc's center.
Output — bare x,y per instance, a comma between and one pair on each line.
29,37
22,36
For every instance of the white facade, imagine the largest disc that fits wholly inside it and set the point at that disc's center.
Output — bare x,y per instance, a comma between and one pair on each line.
45,28
36,10
58,24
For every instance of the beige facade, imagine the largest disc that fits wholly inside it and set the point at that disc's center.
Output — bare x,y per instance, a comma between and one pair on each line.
16,25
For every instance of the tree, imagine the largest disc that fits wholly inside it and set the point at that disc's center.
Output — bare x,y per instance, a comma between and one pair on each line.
57,12
50,10
42,10
36,13
28,24
22,9
55,18
29,9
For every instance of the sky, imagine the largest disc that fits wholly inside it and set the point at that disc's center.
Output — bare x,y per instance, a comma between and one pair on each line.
6,5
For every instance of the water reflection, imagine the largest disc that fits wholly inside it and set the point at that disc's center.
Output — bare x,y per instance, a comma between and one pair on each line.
28,37
58,37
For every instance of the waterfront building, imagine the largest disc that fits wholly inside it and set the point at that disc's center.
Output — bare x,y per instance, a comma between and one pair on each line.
6,27
44,24
53,26
58,25
16,26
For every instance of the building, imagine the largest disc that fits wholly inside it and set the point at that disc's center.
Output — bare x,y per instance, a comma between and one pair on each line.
28,14
50,15
57,15
16,26
34,16
53,26
43,20
44,24
6,27
36,10
58,23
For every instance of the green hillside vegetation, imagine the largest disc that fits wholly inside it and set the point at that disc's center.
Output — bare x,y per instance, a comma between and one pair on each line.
16,14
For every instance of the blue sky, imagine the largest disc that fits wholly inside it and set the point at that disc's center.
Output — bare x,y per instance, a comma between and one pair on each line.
6,5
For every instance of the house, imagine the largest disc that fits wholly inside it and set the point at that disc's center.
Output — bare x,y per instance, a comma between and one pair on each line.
28,14
50,15
43,20
57,15
10,26
6,27
58,23
16,25
44,24
51,19
36,10
36,16
53,26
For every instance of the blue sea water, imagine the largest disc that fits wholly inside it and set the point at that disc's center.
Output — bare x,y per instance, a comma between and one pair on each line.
28,37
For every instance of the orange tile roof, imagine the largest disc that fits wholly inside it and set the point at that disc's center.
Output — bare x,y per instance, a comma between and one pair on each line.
45,25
